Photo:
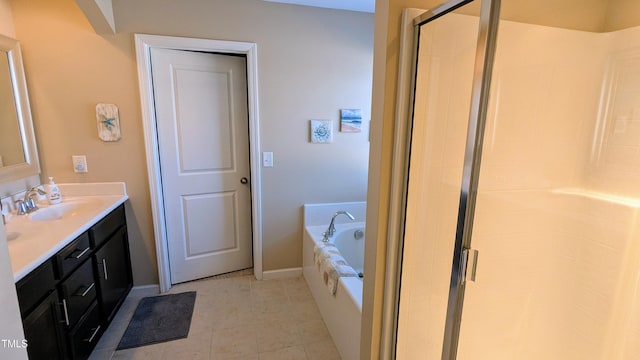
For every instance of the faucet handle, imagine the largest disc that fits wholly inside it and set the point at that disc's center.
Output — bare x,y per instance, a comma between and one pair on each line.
21,207
30,204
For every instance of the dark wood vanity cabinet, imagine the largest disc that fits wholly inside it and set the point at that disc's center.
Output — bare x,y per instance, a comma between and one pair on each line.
44,331
111,261
67,302
114,273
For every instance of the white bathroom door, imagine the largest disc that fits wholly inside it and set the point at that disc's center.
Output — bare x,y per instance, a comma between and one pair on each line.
203,142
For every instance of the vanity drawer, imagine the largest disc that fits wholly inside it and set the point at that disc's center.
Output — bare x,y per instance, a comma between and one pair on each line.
85,335
107,226
73,255
78,292
35,286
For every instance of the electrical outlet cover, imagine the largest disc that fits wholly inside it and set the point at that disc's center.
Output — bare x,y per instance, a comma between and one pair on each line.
79,163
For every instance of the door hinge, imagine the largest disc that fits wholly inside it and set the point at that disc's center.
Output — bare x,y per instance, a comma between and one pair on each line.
469,262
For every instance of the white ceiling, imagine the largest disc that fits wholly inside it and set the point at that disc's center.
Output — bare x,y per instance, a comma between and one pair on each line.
353,5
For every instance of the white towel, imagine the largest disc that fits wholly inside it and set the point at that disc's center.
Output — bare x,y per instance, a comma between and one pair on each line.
334,271
317,251
331,265
323,251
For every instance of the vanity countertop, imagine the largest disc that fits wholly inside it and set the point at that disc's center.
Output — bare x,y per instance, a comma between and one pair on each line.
32,242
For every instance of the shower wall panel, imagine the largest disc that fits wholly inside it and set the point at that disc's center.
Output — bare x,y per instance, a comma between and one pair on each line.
615,160
544,99
557,277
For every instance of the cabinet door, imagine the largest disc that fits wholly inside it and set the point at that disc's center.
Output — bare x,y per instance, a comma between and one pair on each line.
114,273
34,287
43,329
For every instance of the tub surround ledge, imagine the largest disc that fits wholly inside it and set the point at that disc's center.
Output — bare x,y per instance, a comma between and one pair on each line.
32,242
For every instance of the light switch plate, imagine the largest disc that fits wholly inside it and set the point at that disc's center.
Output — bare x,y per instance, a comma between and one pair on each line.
267,159
79,163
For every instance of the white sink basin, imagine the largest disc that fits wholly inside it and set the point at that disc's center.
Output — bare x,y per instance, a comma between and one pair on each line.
62,210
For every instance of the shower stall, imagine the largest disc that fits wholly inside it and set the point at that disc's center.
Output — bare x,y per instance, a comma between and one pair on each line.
520,229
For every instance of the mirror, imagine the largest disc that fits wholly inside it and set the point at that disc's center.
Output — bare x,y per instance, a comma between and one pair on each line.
11,149
18,154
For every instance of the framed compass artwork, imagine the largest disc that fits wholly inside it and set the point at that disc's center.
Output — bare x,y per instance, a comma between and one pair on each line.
321,131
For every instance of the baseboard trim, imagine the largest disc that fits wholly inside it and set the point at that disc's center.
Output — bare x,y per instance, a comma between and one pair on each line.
149,290
145,290
281,273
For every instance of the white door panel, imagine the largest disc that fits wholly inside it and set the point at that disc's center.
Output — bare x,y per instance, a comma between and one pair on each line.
201,111
202,216
208,97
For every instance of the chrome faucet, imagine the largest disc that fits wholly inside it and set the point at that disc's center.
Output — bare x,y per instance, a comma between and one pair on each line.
28,204
332,228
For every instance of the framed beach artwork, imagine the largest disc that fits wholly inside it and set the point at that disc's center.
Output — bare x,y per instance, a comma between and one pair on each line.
351,120
321,131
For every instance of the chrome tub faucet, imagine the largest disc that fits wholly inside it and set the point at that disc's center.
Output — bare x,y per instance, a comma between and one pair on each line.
332,228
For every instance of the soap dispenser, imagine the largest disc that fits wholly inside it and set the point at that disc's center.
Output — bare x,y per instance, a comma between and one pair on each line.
53,192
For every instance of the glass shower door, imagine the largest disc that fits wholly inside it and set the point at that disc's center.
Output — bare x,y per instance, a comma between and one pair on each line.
443,85
557,218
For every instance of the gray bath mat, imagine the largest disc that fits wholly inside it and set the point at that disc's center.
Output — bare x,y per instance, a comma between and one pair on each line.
159,319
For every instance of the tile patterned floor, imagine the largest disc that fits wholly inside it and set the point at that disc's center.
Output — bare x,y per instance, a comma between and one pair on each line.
235,318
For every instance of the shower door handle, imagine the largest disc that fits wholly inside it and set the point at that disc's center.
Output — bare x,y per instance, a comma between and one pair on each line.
469,262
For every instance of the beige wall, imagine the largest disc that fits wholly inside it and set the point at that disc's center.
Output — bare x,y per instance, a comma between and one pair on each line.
311,63
6,19
622,14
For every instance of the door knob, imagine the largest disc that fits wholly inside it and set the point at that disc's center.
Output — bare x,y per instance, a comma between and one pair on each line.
244,180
